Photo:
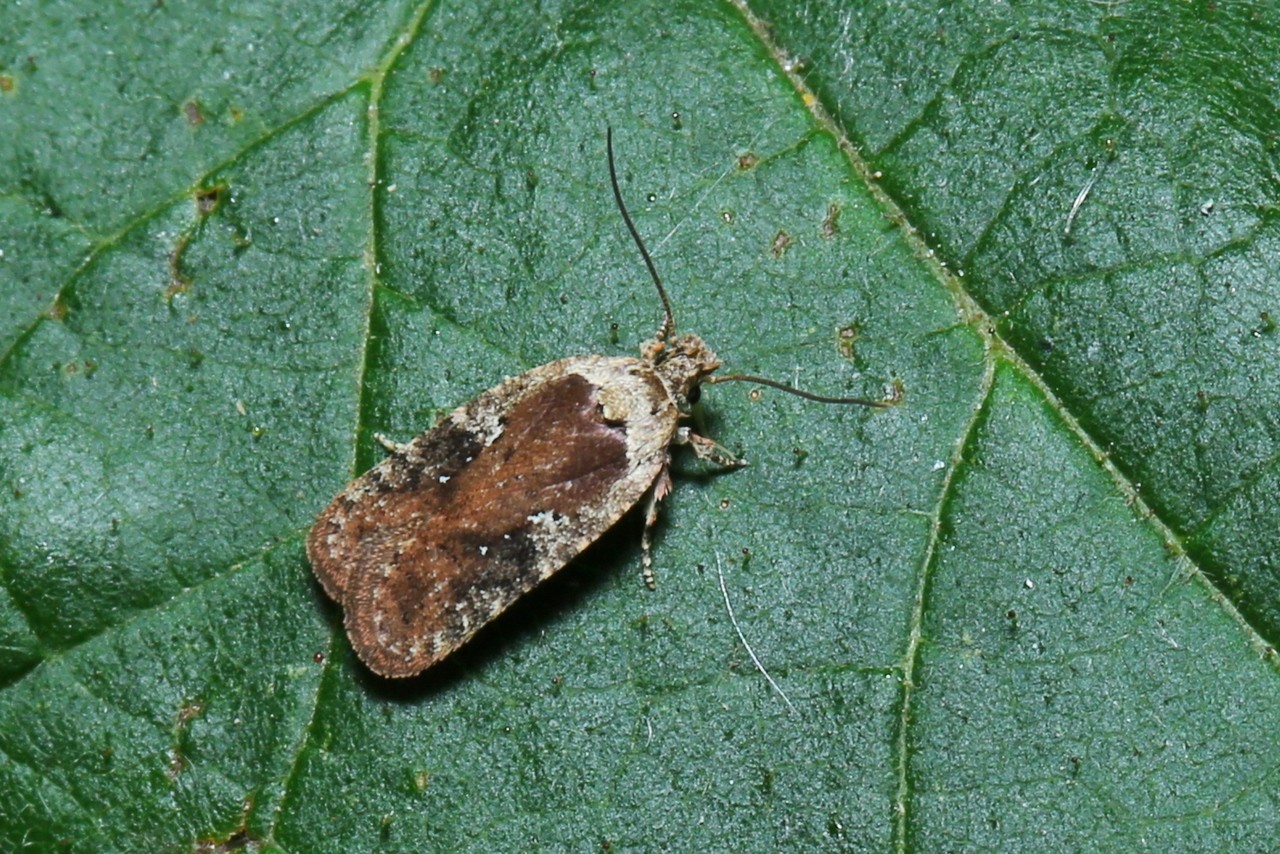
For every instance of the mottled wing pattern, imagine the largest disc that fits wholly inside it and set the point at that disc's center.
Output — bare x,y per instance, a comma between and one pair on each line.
429,545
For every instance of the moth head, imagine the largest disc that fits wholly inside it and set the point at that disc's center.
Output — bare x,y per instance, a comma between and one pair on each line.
682,363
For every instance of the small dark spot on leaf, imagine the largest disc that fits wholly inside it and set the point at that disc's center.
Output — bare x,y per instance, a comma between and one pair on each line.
238,840
781,242
195,116
897,392
435,75
831,223
846,337
747,161
177,763
188,711
6,83
178,283
208,199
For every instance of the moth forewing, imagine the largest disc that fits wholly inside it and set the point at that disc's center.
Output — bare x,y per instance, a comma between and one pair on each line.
445,533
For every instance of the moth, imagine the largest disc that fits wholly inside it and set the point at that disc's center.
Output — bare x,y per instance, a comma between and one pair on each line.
451,528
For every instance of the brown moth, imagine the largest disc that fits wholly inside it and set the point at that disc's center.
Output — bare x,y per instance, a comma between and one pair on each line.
451,528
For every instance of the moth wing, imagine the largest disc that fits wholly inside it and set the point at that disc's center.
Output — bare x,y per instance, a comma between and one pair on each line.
431,544
350,535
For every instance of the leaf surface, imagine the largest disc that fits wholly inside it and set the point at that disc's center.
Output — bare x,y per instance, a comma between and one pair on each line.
1034,603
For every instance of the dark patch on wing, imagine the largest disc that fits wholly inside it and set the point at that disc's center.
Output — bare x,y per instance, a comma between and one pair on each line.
444,451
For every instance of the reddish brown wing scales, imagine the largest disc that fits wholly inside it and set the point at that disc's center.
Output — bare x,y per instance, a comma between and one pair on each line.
422,556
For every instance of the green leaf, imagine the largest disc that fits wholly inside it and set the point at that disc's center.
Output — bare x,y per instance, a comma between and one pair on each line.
1035,603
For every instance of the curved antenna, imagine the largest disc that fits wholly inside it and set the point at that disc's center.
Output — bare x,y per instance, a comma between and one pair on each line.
807,395
669,322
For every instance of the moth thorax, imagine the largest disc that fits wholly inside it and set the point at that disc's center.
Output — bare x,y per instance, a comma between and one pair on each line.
682,363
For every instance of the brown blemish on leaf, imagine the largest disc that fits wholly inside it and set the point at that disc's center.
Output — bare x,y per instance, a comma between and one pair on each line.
897,392
6,83
781,242
58,311
177,759
209,199
239,839
846,337
189,712
195,116
177,764
87,367
831,223
435,75
178,283
747,161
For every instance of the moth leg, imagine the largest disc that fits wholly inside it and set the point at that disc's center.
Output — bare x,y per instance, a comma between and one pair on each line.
661,487
706,449
391,446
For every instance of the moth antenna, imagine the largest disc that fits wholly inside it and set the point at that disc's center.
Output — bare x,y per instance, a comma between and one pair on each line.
669,321
807,395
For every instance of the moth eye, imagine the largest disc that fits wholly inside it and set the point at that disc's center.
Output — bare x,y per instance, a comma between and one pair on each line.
694,395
